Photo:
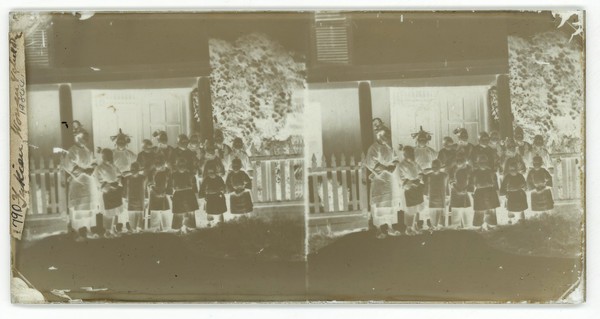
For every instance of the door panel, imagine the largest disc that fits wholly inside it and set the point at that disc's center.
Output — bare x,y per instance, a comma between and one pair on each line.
440,110
411,108
139,113
165,112
111,112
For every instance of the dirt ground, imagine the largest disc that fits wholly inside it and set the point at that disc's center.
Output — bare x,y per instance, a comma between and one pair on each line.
156,267
444,266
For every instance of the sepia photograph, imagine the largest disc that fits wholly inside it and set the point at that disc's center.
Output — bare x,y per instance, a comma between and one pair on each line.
298,156
446,157
165,157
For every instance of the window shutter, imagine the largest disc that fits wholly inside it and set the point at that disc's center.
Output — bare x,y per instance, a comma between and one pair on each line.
331,38
36,48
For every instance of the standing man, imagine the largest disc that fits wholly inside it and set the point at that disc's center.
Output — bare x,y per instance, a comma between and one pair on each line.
385,188
79,164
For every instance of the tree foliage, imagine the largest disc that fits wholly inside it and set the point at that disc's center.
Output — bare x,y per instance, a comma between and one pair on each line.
253,81
547,88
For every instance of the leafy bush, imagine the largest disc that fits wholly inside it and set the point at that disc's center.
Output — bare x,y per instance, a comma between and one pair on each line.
253,82
547,88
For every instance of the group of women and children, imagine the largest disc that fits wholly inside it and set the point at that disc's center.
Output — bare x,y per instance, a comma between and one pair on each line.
459,186
159,189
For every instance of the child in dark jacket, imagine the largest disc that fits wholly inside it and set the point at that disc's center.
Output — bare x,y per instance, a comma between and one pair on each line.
539,182
160,187
212,190
134,184
185,202
436,189
513,187
460,200
239,185
485,197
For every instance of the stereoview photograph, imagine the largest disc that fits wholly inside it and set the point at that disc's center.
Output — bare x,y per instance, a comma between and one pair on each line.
309,156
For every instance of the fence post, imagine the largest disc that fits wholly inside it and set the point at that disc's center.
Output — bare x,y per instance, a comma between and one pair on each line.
283,182
52,189
254,185
33,186
355,181
334,183
315,184
363,184
62,191
292,181
273,181
344,183
264,182
325,184
42,170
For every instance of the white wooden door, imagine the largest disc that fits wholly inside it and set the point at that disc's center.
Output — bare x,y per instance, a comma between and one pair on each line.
138,113
464,107
164,111
439,110
411,108
113,110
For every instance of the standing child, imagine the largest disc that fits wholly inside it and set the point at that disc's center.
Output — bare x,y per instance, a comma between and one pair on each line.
239,185
485,197
159,188
423,153
211,159
185,202
447,156
410,177
108,177
538,148
513,187
523,147
463,145
162,147
436,188
460,202
212,190
134,184
539,181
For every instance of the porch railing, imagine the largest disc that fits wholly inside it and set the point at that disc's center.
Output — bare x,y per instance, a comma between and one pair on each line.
337,186
277,178
48,184
567,176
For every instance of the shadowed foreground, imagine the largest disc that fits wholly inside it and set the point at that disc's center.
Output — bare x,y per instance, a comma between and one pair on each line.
158,267
444,266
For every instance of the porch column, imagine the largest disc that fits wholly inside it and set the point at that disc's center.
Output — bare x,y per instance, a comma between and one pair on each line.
504,109
365,112
205,109
65,102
